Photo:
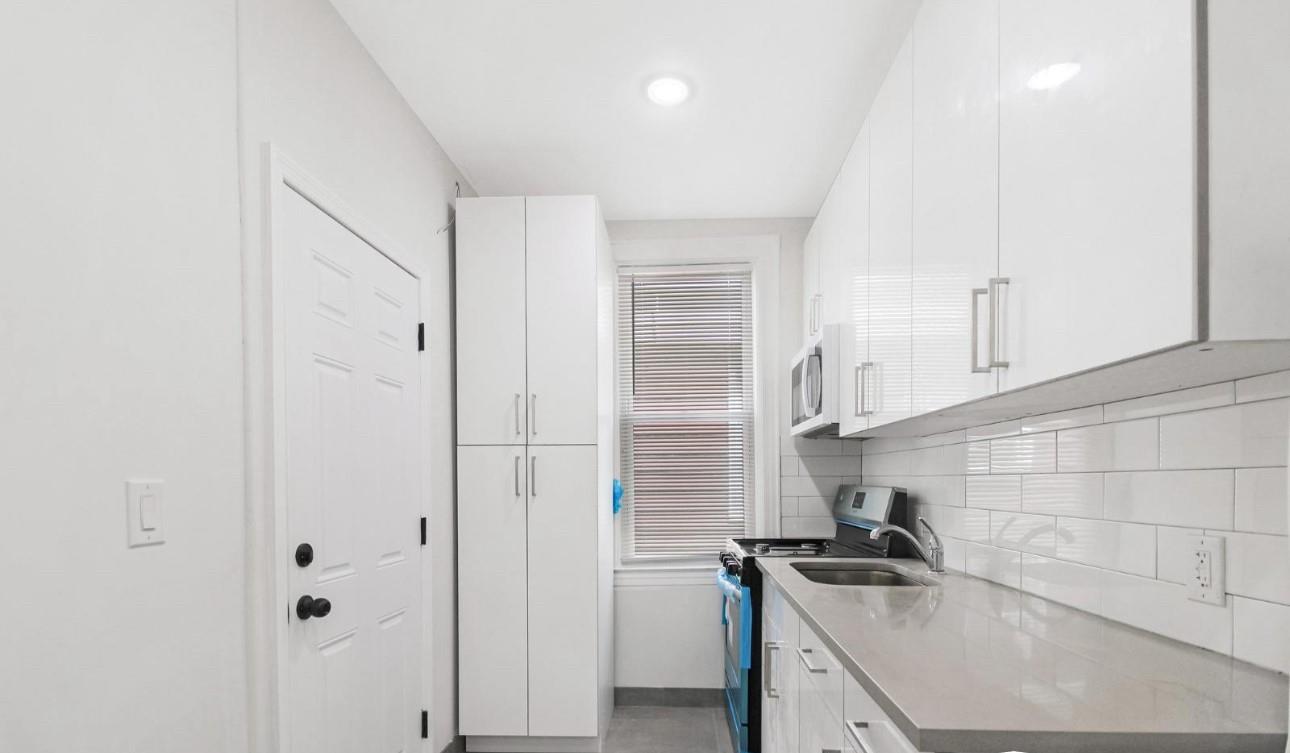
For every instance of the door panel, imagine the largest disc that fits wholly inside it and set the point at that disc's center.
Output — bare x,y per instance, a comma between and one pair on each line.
351,389
1096,182
955,195
491,350
492,590
811,274
890,263
853,340
562,590
561,319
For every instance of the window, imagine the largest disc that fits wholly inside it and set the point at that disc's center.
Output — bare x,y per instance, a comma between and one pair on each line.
685,349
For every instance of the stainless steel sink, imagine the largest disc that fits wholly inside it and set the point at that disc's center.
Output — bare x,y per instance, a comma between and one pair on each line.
844,573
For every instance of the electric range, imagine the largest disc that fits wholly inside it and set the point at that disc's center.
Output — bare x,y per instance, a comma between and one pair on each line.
857,510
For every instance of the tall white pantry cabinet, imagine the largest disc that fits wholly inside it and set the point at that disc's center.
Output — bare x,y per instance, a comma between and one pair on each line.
534,298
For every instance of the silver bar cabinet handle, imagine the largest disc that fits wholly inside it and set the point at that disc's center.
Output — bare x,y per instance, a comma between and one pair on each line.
517,414
859,391
995,361
533,413
801,654
533,476
766,683
976,325
517,475
865,368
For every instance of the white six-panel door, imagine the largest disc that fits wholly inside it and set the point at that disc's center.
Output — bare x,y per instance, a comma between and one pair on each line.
1097,182
561,269
492,592
955,197
351,381
562,591
492,391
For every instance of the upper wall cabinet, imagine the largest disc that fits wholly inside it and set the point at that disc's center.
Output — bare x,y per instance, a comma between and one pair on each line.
526,320
811,276
956,199
852,274
1097,183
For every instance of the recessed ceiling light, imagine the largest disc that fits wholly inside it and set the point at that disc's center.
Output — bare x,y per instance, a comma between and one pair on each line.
1053,76
667,91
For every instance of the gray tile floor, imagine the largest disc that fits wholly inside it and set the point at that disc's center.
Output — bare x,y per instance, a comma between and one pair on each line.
658,729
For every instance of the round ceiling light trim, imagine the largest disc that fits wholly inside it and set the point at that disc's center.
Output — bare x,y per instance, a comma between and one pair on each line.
667,91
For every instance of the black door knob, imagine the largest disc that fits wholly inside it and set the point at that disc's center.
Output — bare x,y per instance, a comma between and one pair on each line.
304,555
308,607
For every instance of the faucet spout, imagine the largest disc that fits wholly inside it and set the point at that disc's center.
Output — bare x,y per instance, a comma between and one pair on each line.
933,554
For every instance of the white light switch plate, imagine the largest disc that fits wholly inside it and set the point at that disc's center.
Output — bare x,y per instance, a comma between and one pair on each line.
144,512
1206,569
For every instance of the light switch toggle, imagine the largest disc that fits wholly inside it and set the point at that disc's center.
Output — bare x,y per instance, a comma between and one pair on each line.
144,507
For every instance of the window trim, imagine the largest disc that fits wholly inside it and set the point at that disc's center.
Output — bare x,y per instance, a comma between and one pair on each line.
761,253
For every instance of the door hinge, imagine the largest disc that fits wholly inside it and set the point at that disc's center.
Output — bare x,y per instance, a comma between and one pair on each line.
421,336
423,531
425,724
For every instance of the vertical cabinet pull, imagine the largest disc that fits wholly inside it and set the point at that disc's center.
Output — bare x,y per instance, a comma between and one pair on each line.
517,475
533,414
995,360
533,476
517,414
862,387
767,683
974,307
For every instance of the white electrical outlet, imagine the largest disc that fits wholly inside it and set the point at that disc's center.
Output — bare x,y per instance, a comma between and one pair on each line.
1206,570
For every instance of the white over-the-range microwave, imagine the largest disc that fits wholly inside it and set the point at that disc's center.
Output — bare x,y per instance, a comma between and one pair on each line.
814,385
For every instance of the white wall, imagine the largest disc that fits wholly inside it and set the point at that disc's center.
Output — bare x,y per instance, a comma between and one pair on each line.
120,330
308,86
667,631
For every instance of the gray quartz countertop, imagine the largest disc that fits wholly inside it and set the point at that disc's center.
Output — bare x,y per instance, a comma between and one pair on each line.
969,666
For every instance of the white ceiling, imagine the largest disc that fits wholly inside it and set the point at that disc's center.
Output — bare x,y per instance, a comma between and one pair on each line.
547,96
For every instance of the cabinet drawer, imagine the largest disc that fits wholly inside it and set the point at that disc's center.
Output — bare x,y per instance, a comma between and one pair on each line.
868,728
824,672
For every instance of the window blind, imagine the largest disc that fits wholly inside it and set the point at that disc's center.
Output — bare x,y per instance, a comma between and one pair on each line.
686,408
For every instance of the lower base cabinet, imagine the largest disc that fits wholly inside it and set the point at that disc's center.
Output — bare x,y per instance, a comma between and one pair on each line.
810,703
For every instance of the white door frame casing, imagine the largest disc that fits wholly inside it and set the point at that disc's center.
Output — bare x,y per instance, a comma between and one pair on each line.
268,550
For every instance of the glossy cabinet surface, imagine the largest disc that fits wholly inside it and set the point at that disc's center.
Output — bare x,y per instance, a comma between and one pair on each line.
1097,183
890,260
811,277
852,272
955,198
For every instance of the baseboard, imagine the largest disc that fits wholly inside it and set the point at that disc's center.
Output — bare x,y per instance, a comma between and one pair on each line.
457,745
701,697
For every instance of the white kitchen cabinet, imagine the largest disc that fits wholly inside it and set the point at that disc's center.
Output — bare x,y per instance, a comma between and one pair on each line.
491,353
868,729
1097,183
890,260
955,199
811,277
562,590
526,314
819,728
852,272
780,679
535,532
492,536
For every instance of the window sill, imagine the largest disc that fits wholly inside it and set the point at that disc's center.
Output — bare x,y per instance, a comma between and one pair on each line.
687,574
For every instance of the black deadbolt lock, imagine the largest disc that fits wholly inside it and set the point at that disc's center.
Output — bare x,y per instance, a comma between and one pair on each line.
304,555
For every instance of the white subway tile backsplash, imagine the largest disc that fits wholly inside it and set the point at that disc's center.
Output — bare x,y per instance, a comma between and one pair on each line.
1258,566
787,508
1209,396
1077,586
1175,561
804,447
1264,387
836,465
939,490
809,486
1034,453
1022,532
1199,499
820,507
811,528
852,447
999,565
994,492
978,458
1126,446
1165,609
1064,420
1238,436
888,463
1126,547
1260,631
1075,494
1261,500
788,465
991,431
